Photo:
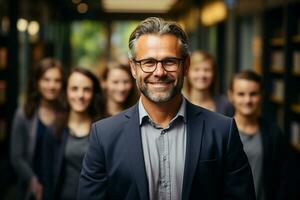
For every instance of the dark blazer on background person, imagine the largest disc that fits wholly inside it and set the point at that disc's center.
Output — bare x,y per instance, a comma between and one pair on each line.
22,151
22,147
216,166
275,157
54,154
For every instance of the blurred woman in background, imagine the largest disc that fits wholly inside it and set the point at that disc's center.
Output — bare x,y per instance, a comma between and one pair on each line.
119,87
65,152
31,123
263,141
200,84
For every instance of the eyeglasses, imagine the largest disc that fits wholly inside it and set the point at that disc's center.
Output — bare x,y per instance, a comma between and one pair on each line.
150,65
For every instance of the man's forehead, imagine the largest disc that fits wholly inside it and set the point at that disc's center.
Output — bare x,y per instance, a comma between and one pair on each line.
157,44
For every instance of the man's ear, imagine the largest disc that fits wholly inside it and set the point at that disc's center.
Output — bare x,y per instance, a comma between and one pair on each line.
186,65
133,69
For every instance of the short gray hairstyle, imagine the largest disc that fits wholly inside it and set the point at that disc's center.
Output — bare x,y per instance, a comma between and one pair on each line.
158,26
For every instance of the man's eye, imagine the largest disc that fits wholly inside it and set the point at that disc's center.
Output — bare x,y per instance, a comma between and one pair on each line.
149,62
169,62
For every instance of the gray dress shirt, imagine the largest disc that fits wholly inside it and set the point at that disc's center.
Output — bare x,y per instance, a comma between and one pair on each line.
164,154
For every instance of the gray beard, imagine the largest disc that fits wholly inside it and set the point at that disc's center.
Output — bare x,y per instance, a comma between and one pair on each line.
160,98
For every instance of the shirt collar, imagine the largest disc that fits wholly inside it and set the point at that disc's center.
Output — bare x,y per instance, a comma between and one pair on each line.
143,114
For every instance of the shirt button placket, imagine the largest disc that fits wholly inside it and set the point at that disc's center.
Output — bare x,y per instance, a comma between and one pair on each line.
165,165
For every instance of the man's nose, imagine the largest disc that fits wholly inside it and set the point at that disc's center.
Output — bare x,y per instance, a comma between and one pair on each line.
160,70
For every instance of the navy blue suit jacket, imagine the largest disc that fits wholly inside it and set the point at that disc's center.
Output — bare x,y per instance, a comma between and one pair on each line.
216,166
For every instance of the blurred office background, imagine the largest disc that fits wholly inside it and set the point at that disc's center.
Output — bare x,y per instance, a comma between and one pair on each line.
263,35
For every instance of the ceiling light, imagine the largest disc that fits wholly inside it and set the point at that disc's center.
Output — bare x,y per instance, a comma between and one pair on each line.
82,8
136,6
33,28
213,13
22,24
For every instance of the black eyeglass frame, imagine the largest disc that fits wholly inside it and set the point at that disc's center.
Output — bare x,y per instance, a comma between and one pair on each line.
180,60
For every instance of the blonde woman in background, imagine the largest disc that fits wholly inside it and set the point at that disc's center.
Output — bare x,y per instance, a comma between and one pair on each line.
201,82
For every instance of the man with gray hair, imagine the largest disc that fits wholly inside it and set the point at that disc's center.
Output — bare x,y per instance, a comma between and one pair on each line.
164,148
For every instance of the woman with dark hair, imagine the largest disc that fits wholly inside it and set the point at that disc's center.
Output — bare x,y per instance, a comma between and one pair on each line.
200,84
65,152
30,124
263,142
119,87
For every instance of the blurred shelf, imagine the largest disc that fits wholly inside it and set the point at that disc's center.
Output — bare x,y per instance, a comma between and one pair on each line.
276,99
296,39
296,108
277,42
277,70
296,73
296,146
281,68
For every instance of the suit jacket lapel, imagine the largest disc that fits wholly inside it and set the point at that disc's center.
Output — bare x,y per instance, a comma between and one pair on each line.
135,152
195,127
